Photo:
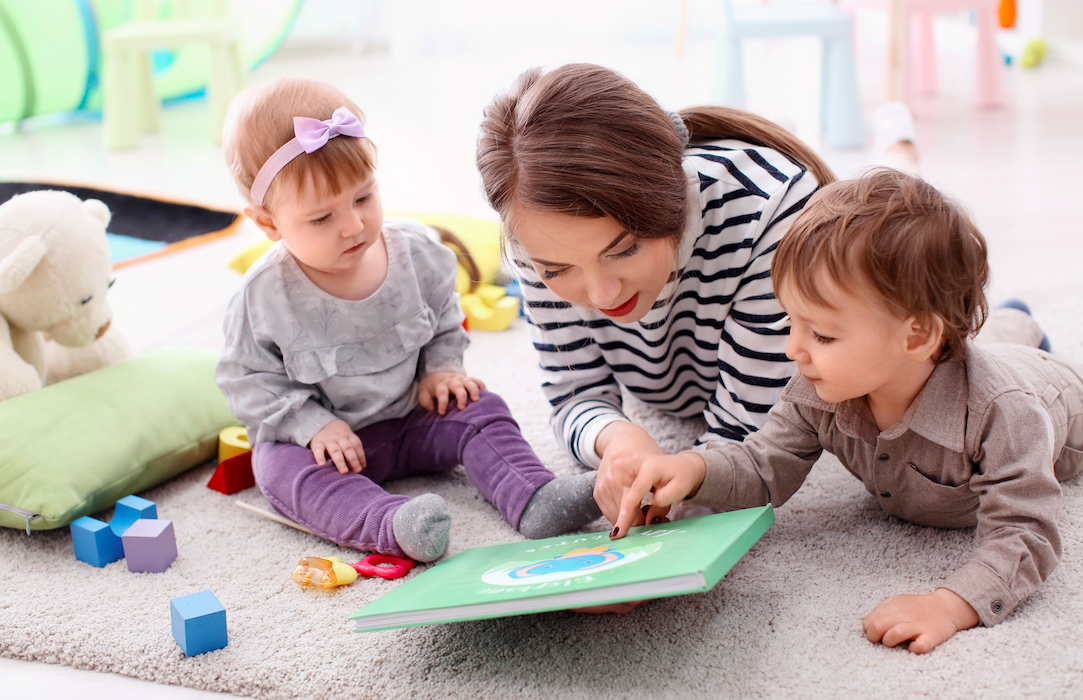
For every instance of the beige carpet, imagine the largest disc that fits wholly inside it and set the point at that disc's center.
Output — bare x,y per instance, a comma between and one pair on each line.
784,623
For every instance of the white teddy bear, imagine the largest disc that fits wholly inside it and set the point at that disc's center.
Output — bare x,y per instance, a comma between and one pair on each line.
55,271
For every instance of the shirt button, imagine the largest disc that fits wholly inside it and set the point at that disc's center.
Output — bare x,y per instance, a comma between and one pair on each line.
997,606
885,494
885,457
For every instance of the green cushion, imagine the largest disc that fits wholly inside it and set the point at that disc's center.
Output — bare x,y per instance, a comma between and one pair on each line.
76,447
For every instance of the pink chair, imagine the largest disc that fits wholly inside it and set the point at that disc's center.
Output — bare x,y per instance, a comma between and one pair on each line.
920,73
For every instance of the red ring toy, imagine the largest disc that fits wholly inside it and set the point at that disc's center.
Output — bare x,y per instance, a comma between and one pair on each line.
370,566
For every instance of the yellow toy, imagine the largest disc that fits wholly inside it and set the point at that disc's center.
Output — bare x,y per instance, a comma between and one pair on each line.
326,573
489,308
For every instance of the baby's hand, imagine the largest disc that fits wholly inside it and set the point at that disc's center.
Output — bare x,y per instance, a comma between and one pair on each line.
341,444
925,621
669,477
435,389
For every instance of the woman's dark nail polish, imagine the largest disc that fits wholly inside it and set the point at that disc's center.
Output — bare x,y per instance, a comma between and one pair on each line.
645,509
616,531
652,521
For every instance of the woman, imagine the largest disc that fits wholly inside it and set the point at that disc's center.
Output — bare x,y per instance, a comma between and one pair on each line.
643,243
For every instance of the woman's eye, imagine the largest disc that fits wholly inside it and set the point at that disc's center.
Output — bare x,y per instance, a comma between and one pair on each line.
553,274
628,252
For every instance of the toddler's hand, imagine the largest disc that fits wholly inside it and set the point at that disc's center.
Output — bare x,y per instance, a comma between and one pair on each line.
923,620
341,444
669,477
434,390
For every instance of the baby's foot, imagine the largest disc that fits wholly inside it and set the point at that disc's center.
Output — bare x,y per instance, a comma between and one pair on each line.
421,527
894,139
564,504
1021,305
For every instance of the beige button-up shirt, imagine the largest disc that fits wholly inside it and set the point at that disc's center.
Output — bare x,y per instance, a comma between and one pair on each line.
976,447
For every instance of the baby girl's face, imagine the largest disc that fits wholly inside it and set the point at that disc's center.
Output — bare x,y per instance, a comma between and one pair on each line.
330,235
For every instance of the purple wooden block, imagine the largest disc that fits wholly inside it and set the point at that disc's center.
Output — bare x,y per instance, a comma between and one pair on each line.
150,545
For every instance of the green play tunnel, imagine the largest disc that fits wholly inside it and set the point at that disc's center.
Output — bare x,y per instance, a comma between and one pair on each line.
50,51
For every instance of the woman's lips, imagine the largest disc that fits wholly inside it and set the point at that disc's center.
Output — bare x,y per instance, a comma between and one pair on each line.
624,309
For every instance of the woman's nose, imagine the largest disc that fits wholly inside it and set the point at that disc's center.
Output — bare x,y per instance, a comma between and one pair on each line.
604,291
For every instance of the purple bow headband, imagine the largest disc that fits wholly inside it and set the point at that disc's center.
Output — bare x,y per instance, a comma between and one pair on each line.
309,136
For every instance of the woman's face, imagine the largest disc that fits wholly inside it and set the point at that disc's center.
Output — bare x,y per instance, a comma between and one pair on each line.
594,263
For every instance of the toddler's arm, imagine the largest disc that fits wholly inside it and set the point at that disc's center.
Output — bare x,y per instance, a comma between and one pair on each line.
435,266
252,376
1017,542
768,467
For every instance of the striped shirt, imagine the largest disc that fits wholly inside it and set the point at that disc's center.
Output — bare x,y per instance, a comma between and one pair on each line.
715,341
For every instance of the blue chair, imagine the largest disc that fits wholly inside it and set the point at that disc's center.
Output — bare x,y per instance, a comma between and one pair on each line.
840,101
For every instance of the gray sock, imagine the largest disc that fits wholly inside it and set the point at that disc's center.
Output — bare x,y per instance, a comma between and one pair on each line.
564,504
421,527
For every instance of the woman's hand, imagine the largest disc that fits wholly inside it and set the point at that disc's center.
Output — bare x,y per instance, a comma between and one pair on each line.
341,444
435,390
925,621
623,447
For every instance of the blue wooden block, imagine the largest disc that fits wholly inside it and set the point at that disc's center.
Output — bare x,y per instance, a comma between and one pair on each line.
150,545
128,510
95,542
199,622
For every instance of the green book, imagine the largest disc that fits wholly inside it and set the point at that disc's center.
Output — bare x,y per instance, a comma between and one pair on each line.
571,571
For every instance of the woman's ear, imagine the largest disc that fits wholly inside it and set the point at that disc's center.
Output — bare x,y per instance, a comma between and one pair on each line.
262,218
925,337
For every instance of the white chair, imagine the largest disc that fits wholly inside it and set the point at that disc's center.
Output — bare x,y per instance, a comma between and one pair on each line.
840,101
129,102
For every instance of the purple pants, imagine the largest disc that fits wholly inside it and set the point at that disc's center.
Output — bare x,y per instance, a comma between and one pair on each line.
353,511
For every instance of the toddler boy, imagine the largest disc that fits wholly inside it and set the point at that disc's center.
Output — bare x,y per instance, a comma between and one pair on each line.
883,279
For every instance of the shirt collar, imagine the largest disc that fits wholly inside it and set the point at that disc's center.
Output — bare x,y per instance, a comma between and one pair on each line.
938,414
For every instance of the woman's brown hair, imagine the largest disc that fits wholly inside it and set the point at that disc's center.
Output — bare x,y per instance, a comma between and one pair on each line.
896,239
583,140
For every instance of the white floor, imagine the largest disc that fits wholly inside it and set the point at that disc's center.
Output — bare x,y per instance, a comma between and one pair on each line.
1016,167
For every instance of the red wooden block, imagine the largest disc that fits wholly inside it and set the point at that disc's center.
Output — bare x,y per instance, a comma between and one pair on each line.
233,474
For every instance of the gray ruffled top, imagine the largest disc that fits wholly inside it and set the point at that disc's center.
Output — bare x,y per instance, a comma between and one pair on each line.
296,358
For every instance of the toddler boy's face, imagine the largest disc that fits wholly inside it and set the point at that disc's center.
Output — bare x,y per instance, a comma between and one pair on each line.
849,349
330,234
